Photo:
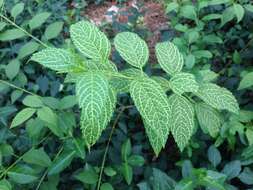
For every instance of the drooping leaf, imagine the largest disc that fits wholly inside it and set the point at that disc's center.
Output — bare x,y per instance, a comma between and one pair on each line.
169,57
132,48
91,42
97,101
22,116
56,59
209,119
183,82
182,123
152,103
218,97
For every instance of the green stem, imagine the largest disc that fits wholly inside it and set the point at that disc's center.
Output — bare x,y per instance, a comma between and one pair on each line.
16,87
108,143
23,30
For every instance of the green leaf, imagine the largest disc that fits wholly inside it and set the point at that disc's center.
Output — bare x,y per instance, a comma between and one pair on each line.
22,174
37,157
62,162
239,11
12,68
246,82
182,123
209,119
214,156
249,135
28,49
218,97
97,101
211,17
22,116
136,160
190,61
4,184
183,82
33,101
11,34
17,9
232,169
188,11
106,186
227,15
152,103
38,20
132,48
2,25
164,83
246,176
161,181
56,59
110,171
87,176
53,30
169,57
50,119
127,172
173,6
67,102
126,150
212,38
91,42
202,54
249,7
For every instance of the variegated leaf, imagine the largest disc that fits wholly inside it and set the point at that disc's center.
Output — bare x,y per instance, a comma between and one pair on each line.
90,41
169,57
152,103
132,48
97,101
183,82
218,97
56,59
182,124
209,119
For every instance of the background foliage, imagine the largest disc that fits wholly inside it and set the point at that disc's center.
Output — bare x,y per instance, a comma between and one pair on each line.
44,149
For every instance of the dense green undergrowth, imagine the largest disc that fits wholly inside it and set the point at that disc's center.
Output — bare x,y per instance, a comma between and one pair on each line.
44,135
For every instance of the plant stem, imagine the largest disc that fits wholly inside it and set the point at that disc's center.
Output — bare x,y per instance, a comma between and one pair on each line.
23,30
18,88
108,143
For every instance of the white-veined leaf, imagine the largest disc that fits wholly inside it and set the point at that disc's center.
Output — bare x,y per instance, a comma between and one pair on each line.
152,103
132,48
183,82
163,82
90,41
56,59
97,101
169,57
209,119
218,97
182,124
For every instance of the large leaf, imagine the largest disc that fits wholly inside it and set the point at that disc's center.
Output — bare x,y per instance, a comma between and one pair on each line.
132,48
218,97
90,41
97,101
183,82
56,59
209,119
169,57
152,103
182,124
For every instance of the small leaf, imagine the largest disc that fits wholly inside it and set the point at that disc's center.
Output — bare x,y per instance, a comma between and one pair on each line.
22,174
209,119
188,11
56,59
190,61
132,48
11,34
183,82
227,15
87,176
173,6
246,82
169,57
37,157
218,97
246,176
33,101
152,103
127,172
106,186
249,7
214,156
126,150
12,69
249,135
4,184
67,102
136,160
22,116
182,123
239,11
232,169
17,9
38,20
53,30
62,162
91,42
28,49
110,171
